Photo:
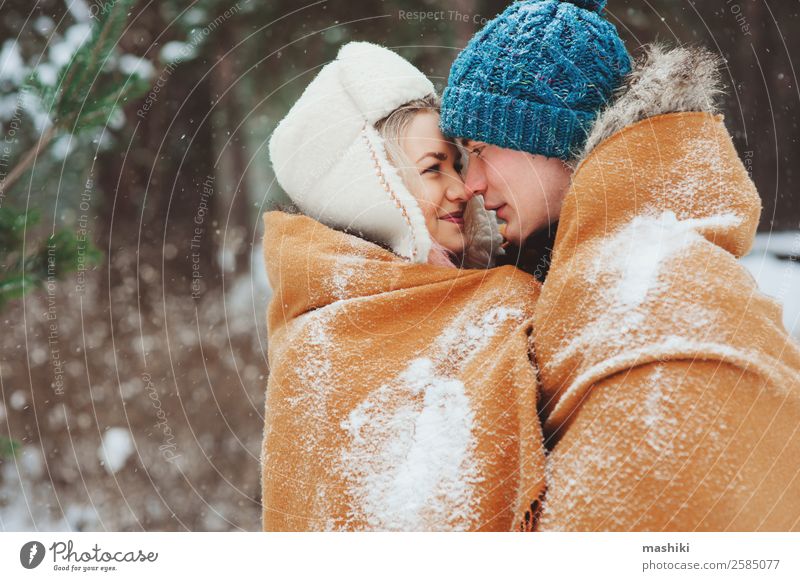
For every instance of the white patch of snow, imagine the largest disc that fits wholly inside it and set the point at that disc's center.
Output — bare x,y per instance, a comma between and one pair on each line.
18,400
195,16
38,355
61,50
79,10
638,250
12,68
777,275
258,273
116,448
627,273
245,300
33,105
176,51
349,267
133,65
48,73
62,146
465,337
662,426
8,106
28,503
782,243
412,464
226,258
116,120
316,374
43,25
104,142
702,168
32,461
247,297
411,461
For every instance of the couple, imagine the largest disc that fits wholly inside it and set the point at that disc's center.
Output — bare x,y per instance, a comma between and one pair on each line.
645,385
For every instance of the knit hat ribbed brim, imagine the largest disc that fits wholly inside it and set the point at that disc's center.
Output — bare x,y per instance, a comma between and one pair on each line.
524,126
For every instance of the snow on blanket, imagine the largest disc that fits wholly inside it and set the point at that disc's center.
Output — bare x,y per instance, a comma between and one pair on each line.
409,464
628,272
639,250
671,431
412,459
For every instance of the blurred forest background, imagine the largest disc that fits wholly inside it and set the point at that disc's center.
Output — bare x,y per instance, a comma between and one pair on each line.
133,177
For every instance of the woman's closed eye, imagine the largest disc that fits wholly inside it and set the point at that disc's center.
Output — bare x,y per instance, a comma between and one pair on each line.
440,162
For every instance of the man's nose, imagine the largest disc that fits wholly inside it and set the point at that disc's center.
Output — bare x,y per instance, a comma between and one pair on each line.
475,180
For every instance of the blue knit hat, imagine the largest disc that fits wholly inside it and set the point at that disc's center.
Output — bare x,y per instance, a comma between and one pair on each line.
535,77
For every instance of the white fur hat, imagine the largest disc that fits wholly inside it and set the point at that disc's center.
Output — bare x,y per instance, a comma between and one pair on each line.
331,161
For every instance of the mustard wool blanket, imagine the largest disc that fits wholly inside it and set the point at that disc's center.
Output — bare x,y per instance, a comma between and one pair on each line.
670,388
400,396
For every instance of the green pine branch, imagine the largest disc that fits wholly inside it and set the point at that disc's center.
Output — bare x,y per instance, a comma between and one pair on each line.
23,270
9,447
85,94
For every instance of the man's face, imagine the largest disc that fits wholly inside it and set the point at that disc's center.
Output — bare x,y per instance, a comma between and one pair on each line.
526,190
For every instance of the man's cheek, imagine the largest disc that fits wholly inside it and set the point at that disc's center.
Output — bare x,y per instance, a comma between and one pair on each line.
506,176
495,187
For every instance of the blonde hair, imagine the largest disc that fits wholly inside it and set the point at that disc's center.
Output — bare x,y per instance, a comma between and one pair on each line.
392,128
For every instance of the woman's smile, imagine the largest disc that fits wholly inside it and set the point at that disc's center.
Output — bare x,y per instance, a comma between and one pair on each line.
456,218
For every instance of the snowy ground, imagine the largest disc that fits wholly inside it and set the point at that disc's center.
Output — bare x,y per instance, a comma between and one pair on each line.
173,445
777,274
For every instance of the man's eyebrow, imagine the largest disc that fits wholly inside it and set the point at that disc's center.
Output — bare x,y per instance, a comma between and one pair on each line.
434,154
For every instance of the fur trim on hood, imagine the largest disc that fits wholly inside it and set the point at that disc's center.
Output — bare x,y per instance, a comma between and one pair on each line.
663,80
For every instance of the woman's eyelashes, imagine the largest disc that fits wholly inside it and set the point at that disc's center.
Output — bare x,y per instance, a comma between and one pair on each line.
443,165
434,169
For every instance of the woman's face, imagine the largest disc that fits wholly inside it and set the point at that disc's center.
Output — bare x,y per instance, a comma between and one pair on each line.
439,189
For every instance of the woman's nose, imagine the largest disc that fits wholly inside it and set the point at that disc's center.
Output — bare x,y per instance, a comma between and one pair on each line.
456,192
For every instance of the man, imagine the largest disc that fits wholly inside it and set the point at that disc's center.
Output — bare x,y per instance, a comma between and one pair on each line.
524,94
670,389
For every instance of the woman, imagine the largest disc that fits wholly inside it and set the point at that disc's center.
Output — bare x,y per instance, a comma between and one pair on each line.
401,393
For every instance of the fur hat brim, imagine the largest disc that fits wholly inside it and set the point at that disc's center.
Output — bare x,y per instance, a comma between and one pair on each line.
333,164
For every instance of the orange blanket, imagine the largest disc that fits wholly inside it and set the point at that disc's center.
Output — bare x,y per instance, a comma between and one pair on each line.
671,389
400,396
